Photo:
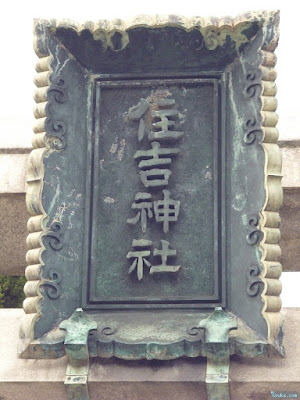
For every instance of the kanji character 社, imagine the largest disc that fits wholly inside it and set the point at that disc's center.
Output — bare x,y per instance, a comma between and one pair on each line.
164,253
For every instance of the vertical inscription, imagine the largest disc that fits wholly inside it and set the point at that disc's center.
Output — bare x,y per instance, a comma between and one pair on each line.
154,170
150,198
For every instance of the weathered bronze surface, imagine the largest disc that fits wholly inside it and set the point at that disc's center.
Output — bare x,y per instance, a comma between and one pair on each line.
169,177
154,187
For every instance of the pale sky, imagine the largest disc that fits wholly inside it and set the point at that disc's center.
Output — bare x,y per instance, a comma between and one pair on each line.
18,60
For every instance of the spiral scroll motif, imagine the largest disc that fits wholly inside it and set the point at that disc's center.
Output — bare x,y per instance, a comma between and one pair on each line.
194,331
253,130
52,284
56,132
58,88
56,235
56,129
108,331
254,282
253,84
255,234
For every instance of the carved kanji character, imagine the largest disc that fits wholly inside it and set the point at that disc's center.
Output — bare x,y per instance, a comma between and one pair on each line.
155,177
156,157
136,113
139,256
142,203
162,131
166,210
164,253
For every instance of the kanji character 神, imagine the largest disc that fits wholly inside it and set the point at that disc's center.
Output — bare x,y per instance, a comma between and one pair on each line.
166,210
142,203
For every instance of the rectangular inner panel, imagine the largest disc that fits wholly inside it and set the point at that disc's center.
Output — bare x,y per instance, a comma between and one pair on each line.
161,187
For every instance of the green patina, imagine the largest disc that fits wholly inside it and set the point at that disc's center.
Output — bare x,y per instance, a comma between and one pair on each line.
149,185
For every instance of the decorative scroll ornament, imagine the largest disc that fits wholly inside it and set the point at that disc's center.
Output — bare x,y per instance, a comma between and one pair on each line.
196,43
56,130
254,282
253,129
52,284
253,84
56,235
58,133
59,90
255,234
194,331
108,331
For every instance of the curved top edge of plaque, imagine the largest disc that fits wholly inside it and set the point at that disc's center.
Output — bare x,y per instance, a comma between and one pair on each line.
205,24
153,21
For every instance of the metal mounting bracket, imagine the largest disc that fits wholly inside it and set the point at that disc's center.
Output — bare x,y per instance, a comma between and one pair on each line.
217,327
78,327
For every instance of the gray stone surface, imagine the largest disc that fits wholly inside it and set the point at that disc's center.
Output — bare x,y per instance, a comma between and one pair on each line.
157,380
13,170
290,230
290,164
13,222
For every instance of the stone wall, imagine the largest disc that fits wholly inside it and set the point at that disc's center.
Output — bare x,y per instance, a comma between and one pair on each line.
251,379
